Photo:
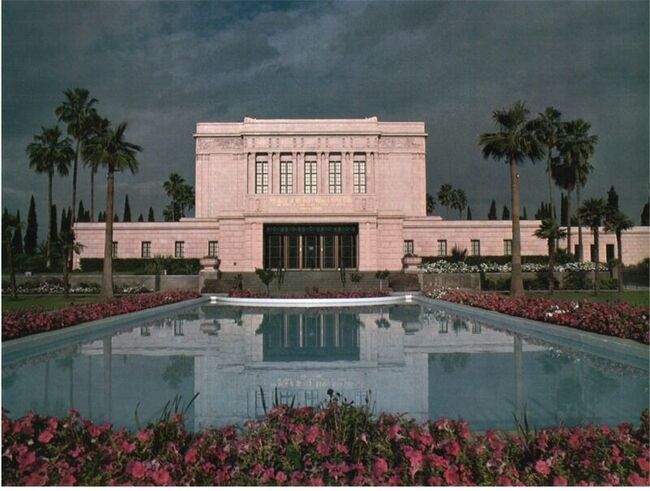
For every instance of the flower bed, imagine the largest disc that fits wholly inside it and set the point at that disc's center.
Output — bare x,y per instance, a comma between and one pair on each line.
314,293
337,445
55,286
613,319
22,323
444,266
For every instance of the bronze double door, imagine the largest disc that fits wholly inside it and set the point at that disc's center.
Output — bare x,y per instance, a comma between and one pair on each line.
310,247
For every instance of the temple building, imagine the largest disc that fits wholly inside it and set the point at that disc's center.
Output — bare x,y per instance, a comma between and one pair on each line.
320,194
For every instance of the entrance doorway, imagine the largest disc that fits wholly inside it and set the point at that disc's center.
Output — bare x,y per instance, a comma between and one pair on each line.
312,247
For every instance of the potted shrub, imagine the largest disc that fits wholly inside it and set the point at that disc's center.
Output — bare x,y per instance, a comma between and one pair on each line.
411,262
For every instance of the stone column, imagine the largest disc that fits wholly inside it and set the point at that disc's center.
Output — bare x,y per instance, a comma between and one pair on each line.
346,173
298,173
323,172
274,173
370,173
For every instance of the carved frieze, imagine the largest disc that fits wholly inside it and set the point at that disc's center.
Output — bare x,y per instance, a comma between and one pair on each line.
218,144
407,143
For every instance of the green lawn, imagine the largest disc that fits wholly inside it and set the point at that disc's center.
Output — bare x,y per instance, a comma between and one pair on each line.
633,297
45,302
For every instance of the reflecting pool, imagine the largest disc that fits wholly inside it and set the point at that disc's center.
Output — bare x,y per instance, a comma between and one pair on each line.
403,358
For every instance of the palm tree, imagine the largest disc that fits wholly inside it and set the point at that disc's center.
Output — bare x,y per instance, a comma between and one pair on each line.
49,153
458,201
78,113
616,221
592,213
514,142
565,178
68,247
182,195
98,126
551,231
577,147
112,151
445,196
547,130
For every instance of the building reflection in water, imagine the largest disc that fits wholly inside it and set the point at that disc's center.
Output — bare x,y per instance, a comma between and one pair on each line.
402,358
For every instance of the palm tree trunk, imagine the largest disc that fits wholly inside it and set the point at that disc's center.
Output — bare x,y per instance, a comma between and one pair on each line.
596,260
74,184
619,246
551,265
550,183
580,251
516,282
66,283
48,244
92,194
107,279
568,231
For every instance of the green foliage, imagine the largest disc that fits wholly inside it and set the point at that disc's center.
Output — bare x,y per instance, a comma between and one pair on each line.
266,276
356,277
645,215
505,214
382,275
182,196
578,280
458,255
151,217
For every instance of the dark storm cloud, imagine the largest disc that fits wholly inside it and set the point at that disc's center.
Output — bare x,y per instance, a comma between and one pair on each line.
164,66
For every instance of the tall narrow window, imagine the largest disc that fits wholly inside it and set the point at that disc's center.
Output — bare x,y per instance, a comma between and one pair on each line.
114,249
311,174
179,249
146,249
476,247
442,247
507,247
359,170
286,174
335,174
408,247
261,173
213,248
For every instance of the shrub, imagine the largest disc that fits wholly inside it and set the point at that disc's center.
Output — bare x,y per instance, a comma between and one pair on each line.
404,282
339,444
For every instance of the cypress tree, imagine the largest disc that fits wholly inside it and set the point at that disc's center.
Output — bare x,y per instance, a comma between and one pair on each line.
505,215
31,233
612,199
17,241
5,218
87,216
140,218
564,210
100,217
525,215
469,213
81,212
645,215
151,217
65,225
116,218
127,209
492,214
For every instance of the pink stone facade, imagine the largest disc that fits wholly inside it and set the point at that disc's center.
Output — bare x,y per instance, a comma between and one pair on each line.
360,172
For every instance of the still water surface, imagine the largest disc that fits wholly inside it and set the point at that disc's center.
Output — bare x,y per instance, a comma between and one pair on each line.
405,358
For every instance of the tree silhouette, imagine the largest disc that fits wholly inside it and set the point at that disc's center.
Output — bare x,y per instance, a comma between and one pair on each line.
31,233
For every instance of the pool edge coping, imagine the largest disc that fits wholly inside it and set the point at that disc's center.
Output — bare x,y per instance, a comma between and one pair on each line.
553,333
310,302
13,345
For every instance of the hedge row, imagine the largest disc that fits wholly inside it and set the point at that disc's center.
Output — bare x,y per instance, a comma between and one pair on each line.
142,266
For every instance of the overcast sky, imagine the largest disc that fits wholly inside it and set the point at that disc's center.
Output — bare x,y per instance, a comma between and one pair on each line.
162,67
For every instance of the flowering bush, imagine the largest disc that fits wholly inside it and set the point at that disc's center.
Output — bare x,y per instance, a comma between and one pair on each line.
55,286
313,293
337,445
444,266
613,319
22,323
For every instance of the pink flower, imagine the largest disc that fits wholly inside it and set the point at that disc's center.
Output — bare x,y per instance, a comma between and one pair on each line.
68,480
280,476
542,467
45,437
451,476
127,447
138,470
644,465
161,477
559,481
143,436
190,456
380,467
636,480
323,449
